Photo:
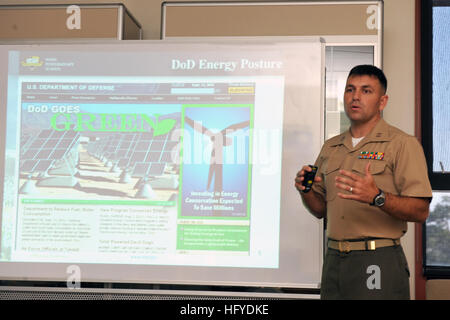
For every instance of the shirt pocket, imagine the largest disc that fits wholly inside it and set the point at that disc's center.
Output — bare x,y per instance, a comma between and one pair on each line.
376,167
381,171
330,174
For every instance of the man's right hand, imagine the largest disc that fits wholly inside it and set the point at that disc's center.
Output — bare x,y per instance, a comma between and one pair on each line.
301,176
312,200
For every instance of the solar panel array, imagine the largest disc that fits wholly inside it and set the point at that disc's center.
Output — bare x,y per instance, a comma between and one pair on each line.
140,153
39,154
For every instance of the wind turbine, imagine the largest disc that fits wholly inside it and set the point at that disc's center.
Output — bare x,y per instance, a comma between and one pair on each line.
219,140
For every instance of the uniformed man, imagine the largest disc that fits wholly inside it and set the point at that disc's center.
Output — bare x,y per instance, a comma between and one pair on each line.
370,181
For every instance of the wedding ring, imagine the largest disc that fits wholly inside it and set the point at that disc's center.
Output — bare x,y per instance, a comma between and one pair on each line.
351,190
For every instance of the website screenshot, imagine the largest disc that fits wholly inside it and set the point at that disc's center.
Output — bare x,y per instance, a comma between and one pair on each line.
154,162
101,163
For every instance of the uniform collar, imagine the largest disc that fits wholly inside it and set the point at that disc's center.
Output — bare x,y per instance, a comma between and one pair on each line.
379,133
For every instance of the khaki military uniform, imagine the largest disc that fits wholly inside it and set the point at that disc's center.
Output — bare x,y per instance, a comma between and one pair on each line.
398,166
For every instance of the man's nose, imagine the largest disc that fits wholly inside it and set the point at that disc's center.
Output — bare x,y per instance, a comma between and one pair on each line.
356,95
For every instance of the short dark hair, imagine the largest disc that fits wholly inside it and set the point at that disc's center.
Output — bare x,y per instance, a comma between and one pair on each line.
369,70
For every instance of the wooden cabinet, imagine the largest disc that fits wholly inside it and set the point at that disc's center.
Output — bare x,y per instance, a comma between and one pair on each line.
31,22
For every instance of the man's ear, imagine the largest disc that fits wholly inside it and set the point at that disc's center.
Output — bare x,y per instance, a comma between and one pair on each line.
383,102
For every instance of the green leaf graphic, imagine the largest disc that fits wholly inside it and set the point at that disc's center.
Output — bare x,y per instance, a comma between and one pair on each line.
163,127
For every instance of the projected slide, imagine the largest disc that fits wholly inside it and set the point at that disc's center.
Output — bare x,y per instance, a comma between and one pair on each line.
164,162
156,171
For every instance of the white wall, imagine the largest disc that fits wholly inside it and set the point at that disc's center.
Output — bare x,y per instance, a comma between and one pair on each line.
399,66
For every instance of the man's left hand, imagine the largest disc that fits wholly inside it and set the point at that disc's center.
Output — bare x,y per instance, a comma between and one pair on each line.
360,188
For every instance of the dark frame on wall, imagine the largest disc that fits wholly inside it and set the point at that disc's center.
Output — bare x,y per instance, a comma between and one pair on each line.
440,181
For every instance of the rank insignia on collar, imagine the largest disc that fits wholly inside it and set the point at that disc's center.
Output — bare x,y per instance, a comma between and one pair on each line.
371,155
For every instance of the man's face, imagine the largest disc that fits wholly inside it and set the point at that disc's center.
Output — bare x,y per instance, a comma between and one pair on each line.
364,98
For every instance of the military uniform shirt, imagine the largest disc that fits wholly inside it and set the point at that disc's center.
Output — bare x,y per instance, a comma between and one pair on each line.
398,167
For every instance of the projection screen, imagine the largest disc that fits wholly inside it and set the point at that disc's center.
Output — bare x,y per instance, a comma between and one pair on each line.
166,161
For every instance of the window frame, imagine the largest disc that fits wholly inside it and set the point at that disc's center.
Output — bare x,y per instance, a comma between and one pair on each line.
440,181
